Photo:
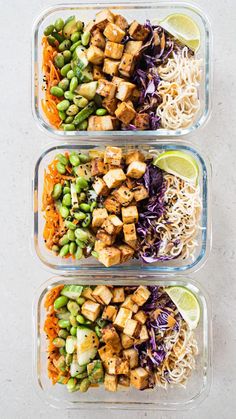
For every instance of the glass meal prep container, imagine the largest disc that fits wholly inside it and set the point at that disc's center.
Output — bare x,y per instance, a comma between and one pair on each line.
175,398
70,266
134,10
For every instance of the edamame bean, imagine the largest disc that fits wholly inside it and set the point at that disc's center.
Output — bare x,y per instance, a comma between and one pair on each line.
101,112
80,101
63,333
57,191
57,91
66,189
82,375
70,225
70,75
64,323
69,127
69,119
67,55
59,342
86,221
71,237
71,384
51,40
80,319
72,110
80,301
67,183
73,330
58,37
73,247
59,24
64,250
93,205
62,351
55,248
84,158
82,182
65,69
69,359
81,244
84,385
62,159
64,84
73,307
66,44
98,331
64,240
62,115
79,215
78,253
74,158
85,207
77,189
69,95
60,302
83,125
82,197
79,25
73,321
63,105
75,37
94,254
48,30
85,37
59,60
61,168
73,84
66,201
64,211
74,46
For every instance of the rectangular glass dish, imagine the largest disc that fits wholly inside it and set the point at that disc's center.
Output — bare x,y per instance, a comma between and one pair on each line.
70,266
135,10
175,398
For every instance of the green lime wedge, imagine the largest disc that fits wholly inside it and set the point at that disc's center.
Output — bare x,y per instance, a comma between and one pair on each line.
187,304
178,163
183,28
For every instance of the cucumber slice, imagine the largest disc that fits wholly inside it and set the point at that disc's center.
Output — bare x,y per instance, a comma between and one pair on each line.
88,90
72,291
80,58
70,27
75,368
70,344
84,76
87,345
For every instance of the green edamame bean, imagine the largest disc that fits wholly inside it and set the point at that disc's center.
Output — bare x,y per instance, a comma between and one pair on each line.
65,69
67,183
64,211
61,168
98,331
73,84
69,95
80,301
72,110
86,221
83,125
64,240
62,159
66,44
74,158
79,215
84,385
48,30
69,359
84,158
85,37
52,41
77,189
55,248
57,91
73,331
81,244
85,207
60,302
66,201
59,24
80,319
64,84
69,127
70,225
79,25
82,375
69,119
64,323
93,206
67,56
70,75
101,112
57,191
78,253
63,333
59,60
73,307
73,321
82,182
64,250
62,115
80,101
73,247
71,384
66,189
75,37
59,342
63,105
62,351
82,197
74,46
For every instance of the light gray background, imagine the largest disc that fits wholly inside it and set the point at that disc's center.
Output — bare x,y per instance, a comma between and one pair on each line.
21,142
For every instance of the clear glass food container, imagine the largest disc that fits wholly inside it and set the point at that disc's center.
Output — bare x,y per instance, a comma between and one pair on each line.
153,11
175,398
70,266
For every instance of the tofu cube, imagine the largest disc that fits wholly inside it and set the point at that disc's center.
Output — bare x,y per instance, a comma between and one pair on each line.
133,155
99,216
141,295
112,205
110,365
106,88
130,183
117,223
106,352
114,178
87,293
110,105
103,18
97,167
97,39
126,341
90,27
118,295
123,381
113,33
90,310
129,214
109,256
132,328
120,21
102,294
117,80
124,90
123,195
129,232
136,169
133,244
132,356
133,47
95,55
140,193
139,378
125,113
110,382
109,313
100,187
97,73
104,237
127,63
122,317
137,31
99,245
140,316
143,337
122,366
113,155
108,227
141,121
126,252
101,123
110,67
113,50
111,338
129,304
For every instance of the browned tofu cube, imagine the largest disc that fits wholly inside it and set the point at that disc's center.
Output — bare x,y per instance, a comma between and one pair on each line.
108,227
129,214
109,256
87,293
97,73
110,365
139,378
113,33
101,123
109,313
129,232
90,310
125,113
129,304
137,31
102,294
107,239
110,67
132,328
110,105
130,183
126,341
114,177
118,295
100,187
113,50
97,39
132,356
103,18
99,245
123,195
126,252
140,316
117,223
120,21
133,155
122,317
95,55
117,80
133,47
141,121
106,88
99,216
136,169
141,295
112,205
97,167
110,382
123,381
143,337
106,352
113,155
122,366
140,193
111,338
127,63
133,244
124,90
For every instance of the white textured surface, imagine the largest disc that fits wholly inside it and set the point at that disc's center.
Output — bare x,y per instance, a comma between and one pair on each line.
21,142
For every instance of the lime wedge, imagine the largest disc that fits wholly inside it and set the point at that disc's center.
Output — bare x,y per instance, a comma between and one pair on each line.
178,163
187,304
183,28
